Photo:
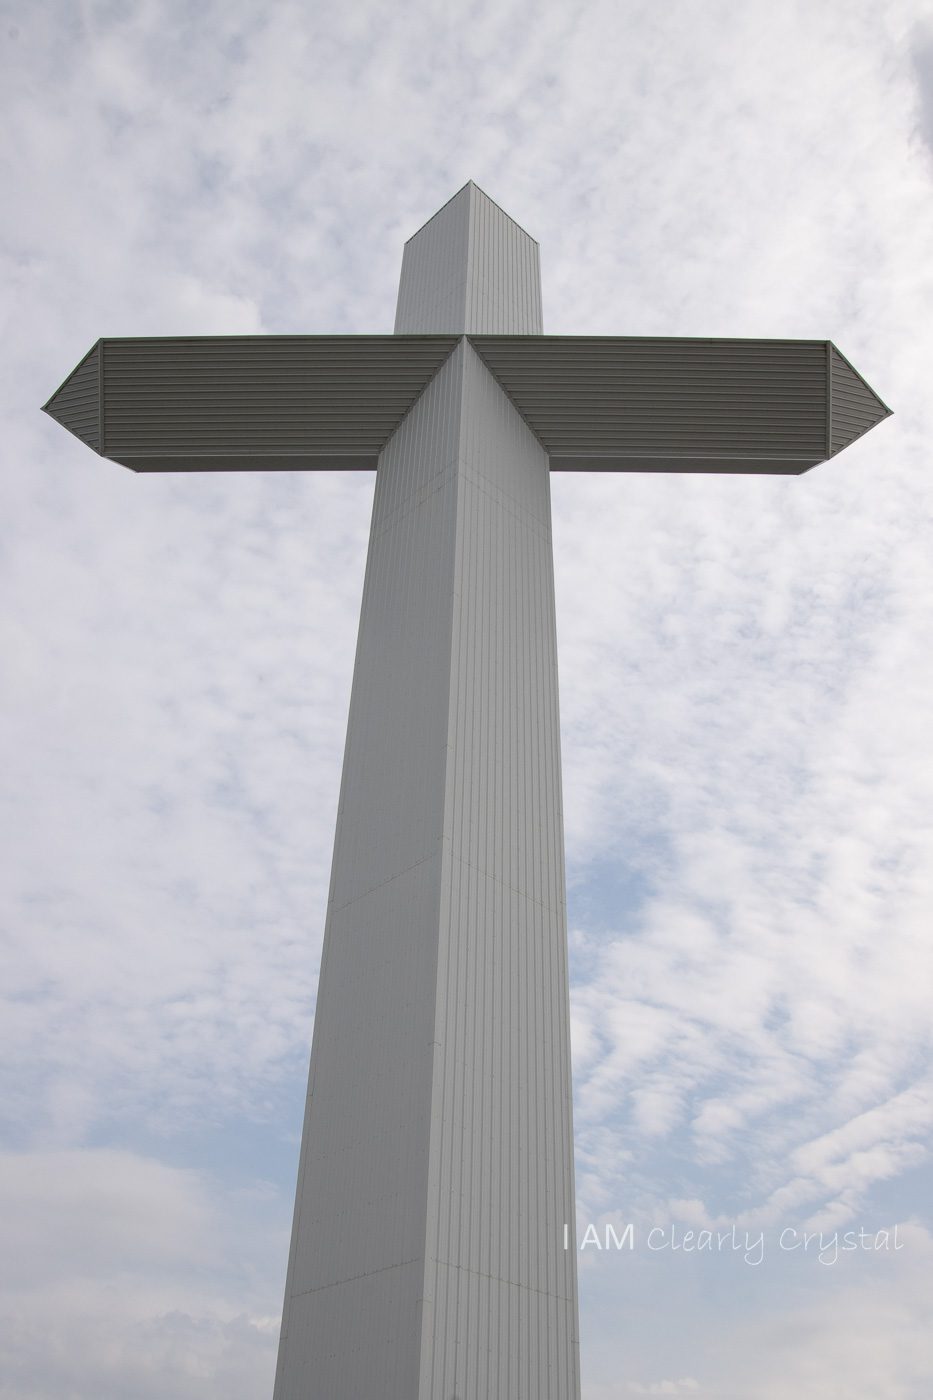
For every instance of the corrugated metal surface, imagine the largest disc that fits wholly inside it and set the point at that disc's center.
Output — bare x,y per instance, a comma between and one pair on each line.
503,291
244,399
470,269
352,1321
595,403
436,1168
855,406
76,404
642,404
212,403
435,261
500,1291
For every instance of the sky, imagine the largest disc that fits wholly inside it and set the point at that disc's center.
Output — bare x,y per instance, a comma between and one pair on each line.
746,675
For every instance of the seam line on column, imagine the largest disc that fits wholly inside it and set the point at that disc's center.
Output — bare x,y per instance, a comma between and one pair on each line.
336,908
516,889
497,1278
367,1273
416,498
505,502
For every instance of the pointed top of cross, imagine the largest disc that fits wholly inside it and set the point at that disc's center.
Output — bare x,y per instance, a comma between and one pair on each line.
470,270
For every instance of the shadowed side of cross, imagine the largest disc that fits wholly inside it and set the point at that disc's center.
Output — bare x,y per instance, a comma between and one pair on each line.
432,1250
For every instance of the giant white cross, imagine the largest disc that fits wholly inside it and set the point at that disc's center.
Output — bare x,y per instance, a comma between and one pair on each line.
428,1257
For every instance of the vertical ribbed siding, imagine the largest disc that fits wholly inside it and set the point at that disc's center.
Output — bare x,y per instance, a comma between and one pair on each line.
351,1326
855,407
432,286
470,269
500,1291
436,1170
504,284
76,405
436,1167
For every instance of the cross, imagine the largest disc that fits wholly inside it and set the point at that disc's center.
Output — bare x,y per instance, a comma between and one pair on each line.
429,1254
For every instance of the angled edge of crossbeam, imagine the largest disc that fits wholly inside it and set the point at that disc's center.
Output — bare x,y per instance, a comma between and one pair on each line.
691,464
854,406
76,404
246,462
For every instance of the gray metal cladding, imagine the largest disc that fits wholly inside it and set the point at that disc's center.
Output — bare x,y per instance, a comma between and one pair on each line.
855,407
470,269
436,1169
594,403
656,404
432,284
212,403
503,290
76,404
500,1290
352,1323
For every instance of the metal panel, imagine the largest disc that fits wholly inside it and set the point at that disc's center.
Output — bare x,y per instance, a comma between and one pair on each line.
76,403
500,1290
855,406
438,1126
595,403
237,403
432,285
503,290
657,404
471,268
353,1307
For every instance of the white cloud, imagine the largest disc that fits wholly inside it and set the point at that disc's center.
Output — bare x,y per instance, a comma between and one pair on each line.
859,1326
125,1277
869,1338
686,1386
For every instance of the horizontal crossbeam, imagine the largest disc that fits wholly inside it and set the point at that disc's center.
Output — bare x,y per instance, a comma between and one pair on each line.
595,403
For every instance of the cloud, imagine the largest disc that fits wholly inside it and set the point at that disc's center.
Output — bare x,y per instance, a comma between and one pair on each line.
870,1338
175,779
922,54
686,1386
122,1279
856,1327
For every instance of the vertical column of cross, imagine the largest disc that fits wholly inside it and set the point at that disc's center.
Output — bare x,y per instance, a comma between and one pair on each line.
500,1291
436,1171
352,1318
